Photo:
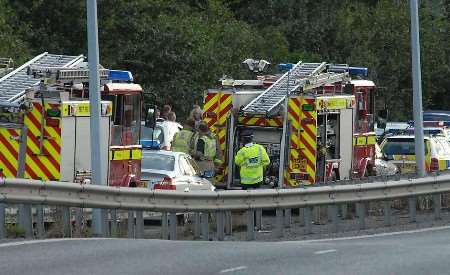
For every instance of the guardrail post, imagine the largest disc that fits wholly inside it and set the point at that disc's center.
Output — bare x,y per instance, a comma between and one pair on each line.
25,221
228,223
67,230
196,225
279,223
344,211
220,218
250,225
40,224
361,212
139,224
204,218
308,219
79,222
173,225
437,202
2,220
106,225
412,202
387,213
333,217
287,217
114,226
131,224
258,219
164,226
301,216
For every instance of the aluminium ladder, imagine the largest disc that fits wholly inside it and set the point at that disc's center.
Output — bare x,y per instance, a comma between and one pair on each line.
303,76
13,86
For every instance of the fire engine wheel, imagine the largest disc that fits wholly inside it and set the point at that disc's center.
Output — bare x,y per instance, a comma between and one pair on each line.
335,175
132,184
370,171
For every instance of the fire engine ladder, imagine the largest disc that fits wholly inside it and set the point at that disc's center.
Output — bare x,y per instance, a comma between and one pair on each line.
63,74
14,85
303,77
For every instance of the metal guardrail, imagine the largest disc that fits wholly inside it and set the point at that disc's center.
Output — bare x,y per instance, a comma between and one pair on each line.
23,191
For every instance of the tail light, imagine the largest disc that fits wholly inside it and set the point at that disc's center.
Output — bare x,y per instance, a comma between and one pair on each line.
434,165
165,184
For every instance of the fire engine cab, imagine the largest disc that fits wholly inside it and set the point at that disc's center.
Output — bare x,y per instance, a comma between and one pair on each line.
44,132
322,132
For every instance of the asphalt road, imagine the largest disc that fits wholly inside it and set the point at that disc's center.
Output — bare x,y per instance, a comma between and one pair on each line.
424,252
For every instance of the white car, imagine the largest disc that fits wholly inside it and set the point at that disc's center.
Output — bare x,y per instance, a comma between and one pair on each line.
172,171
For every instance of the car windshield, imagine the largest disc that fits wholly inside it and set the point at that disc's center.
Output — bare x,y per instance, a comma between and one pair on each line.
158,162
400,146
147,133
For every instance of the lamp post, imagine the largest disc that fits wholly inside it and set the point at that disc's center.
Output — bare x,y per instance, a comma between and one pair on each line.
417,90
98,175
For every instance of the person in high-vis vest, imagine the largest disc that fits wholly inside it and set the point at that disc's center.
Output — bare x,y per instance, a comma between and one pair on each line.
183,141
252,159
206,150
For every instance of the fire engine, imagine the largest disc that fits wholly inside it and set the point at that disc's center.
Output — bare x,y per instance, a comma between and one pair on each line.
45,122
323,132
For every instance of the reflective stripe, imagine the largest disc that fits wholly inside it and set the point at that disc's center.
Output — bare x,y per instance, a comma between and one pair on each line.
251,180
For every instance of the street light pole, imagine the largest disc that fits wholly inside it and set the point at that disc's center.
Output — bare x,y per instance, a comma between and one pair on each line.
417,89
98,175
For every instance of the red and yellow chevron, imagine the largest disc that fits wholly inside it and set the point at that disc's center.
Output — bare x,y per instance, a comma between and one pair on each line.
261,121
217,109
43,155
303,142
9,155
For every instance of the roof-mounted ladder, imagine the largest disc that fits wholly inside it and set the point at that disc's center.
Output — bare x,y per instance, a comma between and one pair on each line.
303,76
14,85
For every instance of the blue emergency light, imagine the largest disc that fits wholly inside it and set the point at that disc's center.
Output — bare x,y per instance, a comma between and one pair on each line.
283,67
351,70
151,144
119,75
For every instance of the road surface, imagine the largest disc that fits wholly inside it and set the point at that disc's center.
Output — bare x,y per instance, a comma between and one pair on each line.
419,252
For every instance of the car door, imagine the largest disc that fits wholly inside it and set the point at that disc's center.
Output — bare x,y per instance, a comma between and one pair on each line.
184,180
198,182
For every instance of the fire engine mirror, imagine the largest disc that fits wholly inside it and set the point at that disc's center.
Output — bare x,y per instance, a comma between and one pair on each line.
382,118
150,118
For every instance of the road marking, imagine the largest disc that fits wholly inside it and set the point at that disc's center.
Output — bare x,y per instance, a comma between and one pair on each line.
233,269
430,229
320,252
50,241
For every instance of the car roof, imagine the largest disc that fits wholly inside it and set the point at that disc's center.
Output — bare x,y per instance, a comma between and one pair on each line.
405,137
162,152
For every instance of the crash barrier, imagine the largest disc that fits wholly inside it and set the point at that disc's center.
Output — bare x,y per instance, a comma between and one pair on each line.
204,207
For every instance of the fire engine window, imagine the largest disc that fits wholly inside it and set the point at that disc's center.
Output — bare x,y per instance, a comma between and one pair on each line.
131,109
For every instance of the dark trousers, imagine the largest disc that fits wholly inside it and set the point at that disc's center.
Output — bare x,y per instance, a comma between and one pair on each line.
251,186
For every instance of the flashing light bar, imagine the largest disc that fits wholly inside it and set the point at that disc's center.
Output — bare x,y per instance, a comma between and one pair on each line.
119,75
340,68
283,67
150,144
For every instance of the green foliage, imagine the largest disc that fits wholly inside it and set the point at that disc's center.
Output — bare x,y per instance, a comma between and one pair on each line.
14,231
178,49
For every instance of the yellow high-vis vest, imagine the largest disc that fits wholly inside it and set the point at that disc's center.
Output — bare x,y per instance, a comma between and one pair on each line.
252,160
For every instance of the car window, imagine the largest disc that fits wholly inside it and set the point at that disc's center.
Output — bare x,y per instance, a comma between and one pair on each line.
186,168
147,133
158,162
194,166
442,147
401,146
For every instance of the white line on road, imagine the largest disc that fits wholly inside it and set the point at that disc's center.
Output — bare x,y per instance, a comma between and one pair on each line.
233,269
320,252
422,230
50,241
